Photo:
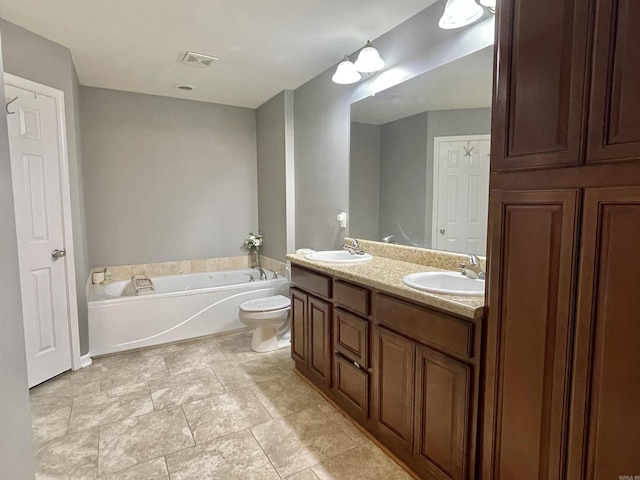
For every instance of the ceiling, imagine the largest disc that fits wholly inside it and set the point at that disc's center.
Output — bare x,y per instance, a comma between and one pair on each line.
264,46
464,83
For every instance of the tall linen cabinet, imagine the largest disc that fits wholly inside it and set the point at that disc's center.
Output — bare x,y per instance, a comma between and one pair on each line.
562,379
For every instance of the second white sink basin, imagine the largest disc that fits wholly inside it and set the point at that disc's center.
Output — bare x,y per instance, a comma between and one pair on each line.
447,283
338,256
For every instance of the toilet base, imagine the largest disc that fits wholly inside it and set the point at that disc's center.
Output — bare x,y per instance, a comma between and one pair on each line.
266,339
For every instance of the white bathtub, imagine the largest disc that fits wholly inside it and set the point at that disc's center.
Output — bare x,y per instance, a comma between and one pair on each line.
184,306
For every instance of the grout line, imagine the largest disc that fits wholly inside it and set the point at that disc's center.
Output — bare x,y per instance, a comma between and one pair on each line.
265,453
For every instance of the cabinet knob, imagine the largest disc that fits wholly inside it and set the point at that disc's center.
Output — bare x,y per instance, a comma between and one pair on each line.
442,231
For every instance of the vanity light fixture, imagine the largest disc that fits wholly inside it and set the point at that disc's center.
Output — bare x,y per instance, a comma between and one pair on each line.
368,61
460,13
346,72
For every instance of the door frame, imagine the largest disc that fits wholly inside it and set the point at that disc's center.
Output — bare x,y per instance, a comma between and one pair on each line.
436,172
65,191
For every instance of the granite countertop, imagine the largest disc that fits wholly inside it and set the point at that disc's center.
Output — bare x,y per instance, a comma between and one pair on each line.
386,274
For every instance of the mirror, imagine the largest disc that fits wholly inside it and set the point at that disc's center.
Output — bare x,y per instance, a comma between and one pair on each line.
419,171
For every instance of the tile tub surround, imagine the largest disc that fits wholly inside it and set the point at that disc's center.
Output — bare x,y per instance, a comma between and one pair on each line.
125,272
390,263
221,413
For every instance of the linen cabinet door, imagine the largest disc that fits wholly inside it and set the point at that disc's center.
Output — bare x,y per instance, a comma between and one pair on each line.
394,387
538,99
320,341
605,428
299,327
443,415
529,333
615,94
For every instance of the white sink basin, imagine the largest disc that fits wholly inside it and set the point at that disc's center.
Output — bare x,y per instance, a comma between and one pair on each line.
447,283
338,256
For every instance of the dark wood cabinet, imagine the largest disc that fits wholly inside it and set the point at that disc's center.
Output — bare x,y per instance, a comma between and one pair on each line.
614,121
352,388
311,336
605,420
443,415
538,98
563,335
394,388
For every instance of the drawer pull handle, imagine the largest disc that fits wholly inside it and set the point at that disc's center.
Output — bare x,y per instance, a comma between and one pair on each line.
356,364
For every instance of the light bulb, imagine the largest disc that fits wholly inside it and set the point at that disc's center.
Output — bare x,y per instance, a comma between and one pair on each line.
369,60
346,73
460,13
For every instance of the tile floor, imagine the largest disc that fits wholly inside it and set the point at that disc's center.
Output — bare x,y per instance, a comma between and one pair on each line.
205,409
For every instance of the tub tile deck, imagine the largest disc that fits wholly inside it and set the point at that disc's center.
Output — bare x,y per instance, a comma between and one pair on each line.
206,408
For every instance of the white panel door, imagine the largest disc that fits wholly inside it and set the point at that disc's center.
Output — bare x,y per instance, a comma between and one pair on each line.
461,194
36,172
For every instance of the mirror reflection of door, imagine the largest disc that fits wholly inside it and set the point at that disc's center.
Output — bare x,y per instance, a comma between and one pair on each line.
461,193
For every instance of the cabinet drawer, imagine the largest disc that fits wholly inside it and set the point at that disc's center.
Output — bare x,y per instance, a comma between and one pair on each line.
427,326
352,387
311,281
351,337
352,297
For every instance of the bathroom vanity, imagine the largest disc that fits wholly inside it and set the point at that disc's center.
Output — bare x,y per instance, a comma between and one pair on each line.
403,364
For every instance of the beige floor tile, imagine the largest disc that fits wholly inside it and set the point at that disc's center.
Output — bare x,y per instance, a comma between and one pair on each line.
286,396
366,462
50,425
184,387
303,475
131,370
194,358
282,358
238,349
234,457
93,411
300,440
224,414
81,382
239,375
151,470
139,439
73,457
343,423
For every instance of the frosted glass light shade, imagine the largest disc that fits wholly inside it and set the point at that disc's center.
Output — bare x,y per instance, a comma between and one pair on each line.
488,3
369,60
460,13
346,73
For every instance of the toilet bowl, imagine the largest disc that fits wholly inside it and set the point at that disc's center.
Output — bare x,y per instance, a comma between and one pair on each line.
269,317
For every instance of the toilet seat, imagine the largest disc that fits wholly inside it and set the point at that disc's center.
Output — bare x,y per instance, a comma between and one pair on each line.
267,304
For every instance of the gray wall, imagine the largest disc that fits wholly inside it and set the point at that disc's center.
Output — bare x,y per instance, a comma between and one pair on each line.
364,181
322,116
403,171
473,121
166,179
16,450
274,123
35,58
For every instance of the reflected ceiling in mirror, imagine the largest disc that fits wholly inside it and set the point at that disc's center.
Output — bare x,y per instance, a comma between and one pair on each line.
403,136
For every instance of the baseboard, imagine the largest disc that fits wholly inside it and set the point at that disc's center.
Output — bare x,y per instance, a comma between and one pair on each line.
85,360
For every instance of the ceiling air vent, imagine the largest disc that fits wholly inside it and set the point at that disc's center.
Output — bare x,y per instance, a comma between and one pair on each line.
198,59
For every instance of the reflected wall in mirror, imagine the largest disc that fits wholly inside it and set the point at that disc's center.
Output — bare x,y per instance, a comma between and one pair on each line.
419,172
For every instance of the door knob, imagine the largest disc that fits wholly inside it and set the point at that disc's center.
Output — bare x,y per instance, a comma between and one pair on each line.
56,254
442,231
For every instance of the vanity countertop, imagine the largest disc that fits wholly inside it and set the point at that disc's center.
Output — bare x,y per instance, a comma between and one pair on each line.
386,274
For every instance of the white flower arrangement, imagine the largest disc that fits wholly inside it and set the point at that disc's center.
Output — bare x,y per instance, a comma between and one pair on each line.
253,242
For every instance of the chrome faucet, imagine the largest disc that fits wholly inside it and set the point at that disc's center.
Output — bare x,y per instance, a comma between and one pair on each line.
352,245
263,275
275,274
473,270
389,239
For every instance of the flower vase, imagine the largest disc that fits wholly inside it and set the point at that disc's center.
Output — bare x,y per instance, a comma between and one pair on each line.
254,258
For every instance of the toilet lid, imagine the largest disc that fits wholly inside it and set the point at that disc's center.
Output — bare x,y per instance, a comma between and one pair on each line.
266,304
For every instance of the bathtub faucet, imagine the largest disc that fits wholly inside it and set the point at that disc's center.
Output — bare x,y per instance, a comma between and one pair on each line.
263,275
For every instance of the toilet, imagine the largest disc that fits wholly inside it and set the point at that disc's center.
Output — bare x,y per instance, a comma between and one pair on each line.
269,317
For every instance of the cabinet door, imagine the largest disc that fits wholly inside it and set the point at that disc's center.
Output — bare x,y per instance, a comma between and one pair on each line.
615,93
394,389
443,413
299,330
529,333
605,427
320,340
352,388
538,100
